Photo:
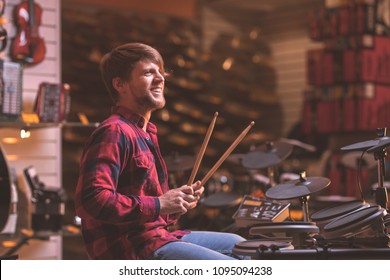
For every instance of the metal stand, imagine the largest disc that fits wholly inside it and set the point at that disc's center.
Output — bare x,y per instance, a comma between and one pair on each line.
304,200
271,176
271,169
381,196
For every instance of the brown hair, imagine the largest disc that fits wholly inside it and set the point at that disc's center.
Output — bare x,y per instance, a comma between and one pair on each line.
121,61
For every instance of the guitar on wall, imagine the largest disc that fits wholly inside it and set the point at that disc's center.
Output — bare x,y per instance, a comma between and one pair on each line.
27,46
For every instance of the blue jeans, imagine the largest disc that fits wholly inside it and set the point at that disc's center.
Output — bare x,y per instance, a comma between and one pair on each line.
200,245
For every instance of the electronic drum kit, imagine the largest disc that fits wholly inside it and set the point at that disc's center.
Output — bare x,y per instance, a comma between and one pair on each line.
351,230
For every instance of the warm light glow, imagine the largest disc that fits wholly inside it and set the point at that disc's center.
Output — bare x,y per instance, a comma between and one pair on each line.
9,243
83,118
225,188
254,34
235,43
256,58
227,64
180,61
3,21
10,140
67,86
27,232
12,157
165,115
25,133
187,127
296,215
72,229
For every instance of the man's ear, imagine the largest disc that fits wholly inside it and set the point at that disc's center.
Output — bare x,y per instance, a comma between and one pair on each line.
117,83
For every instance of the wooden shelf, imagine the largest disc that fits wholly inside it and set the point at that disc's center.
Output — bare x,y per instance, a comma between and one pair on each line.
20,125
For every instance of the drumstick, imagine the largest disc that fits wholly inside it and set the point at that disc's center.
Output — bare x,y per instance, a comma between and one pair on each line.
202,150
227,153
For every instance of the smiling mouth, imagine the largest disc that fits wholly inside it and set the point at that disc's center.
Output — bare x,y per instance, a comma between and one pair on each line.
157,90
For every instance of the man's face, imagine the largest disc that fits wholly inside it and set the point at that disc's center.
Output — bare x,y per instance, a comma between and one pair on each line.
145,87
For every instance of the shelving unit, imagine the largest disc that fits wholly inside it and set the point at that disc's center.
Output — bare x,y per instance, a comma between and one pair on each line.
19,125
348,85
43,149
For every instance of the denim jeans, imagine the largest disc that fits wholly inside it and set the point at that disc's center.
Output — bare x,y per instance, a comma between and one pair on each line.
200,245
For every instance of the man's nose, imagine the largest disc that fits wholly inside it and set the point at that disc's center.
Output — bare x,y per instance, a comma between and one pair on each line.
160,77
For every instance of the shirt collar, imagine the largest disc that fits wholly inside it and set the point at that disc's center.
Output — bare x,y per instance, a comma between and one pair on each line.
134,118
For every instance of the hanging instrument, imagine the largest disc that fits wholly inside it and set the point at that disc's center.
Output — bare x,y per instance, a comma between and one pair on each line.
27,46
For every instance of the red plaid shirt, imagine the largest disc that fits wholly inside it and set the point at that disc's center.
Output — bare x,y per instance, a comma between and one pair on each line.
122,173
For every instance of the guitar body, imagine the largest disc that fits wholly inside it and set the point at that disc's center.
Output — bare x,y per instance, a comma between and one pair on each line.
27,46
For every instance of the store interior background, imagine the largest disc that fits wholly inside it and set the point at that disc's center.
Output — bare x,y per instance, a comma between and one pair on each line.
196,38
245,59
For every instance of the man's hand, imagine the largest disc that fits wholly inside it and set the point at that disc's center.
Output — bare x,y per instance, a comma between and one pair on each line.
198,191
178,201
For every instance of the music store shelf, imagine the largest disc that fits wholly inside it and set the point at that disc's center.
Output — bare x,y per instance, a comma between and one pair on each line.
20,125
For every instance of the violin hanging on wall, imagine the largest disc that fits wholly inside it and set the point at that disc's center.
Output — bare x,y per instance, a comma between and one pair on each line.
27,46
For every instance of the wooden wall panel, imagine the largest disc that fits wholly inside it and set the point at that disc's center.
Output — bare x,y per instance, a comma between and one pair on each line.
284,28
212,25
286,32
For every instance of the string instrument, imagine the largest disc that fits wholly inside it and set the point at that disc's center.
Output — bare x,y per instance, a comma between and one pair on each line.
28,47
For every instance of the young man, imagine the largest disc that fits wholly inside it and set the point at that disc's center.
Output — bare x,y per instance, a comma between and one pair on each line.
122,195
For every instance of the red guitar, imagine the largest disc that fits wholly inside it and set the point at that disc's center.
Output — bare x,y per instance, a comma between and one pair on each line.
27,46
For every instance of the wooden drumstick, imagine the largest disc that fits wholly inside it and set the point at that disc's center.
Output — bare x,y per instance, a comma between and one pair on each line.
202,150
227,153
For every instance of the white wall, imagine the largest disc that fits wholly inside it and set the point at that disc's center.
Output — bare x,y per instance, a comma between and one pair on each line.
43,149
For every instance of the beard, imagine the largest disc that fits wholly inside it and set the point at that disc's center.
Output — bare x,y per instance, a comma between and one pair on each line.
151,102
